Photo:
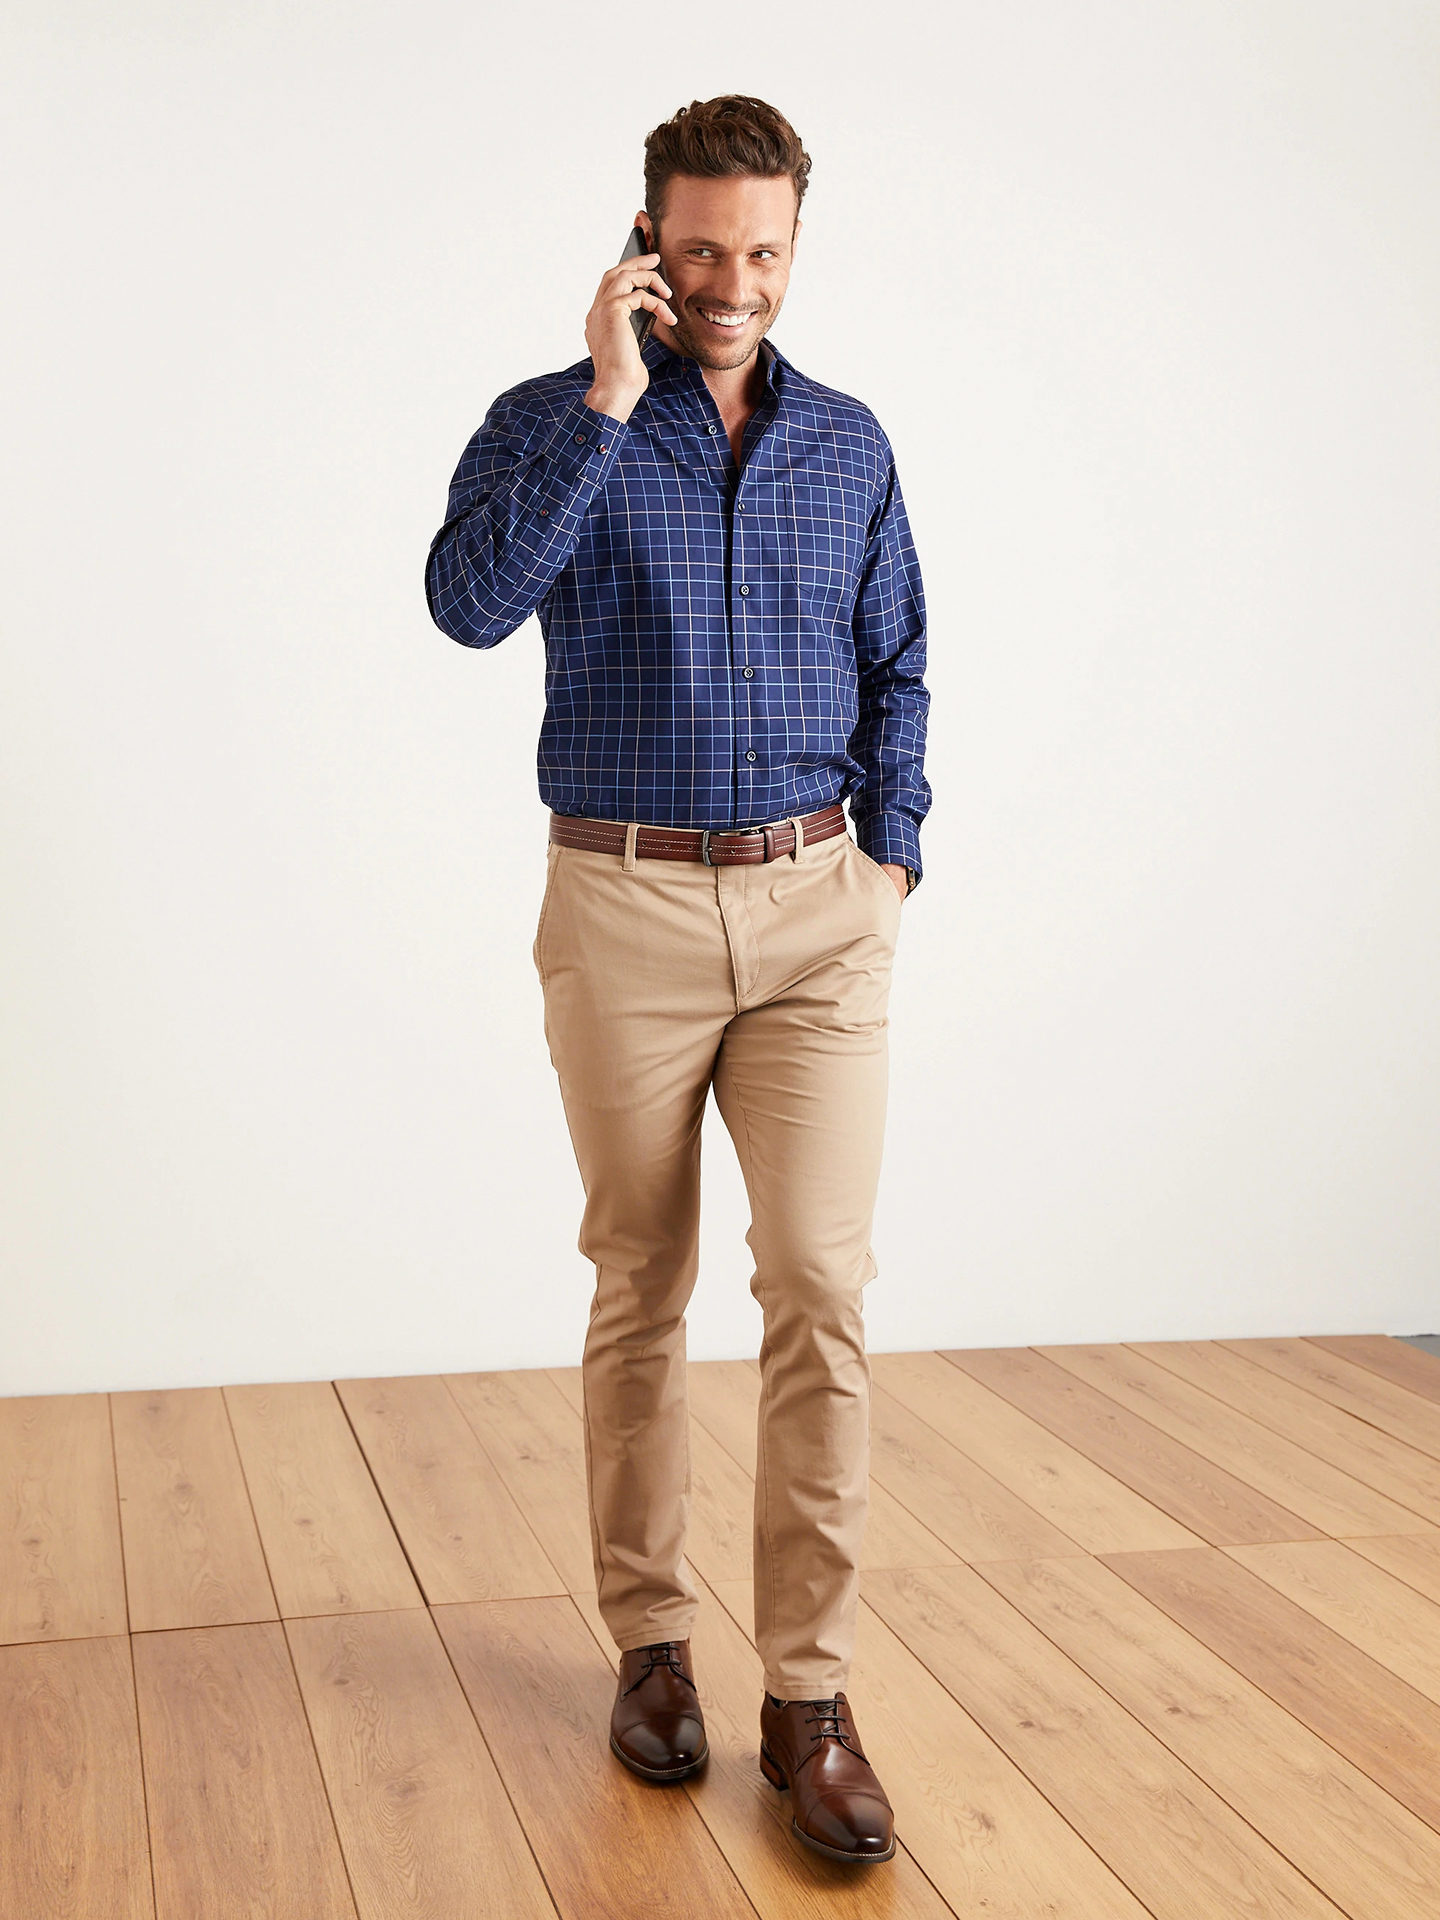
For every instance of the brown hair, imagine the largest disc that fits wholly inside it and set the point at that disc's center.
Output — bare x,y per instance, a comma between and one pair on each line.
716,139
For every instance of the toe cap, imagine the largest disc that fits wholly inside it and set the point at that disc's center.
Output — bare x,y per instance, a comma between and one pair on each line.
664,1741
851,1823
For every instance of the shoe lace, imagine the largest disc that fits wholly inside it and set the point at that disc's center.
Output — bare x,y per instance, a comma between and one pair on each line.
829,1719
664,1653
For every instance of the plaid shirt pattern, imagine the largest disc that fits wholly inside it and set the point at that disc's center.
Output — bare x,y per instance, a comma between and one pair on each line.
724,647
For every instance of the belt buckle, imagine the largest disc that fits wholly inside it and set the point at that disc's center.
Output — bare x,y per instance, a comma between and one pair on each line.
725,833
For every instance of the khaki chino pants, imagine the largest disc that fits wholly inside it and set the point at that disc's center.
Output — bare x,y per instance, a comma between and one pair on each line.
770,983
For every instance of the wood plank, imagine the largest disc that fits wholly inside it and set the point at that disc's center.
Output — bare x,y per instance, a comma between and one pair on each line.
567,1382
1373,1611
1171,1838
74,1845
61,1574
463,1533
1374,1858
327,1539
1383,1725
1398,1411
534,1436
1393,1360
1087,1504
610,1846
239,1825
1411,1557
725,1398
192,1554
1263,1459
722,1503
957,1500
425,1823
1411,1478
985,1836
750,1821
1202,1497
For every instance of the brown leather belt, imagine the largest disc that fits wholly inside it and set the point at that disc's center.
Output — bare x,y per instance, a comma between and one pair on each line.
716,846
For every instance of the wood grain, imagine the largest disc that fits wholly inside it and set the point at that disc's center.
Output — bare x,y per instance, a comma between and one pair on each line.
425,1823
1088,1505
1373,1611
722,1501
1394,1360
986,1837
1202,1497
192,1554
71,1798
1384,1726
328,1542
542,1691
1398,1411
1333,1501
1375,1859
1173,1840
463,1533
61,1574
1411,1478
534,1437
725,1400
966,1507
239,1825
1411,1557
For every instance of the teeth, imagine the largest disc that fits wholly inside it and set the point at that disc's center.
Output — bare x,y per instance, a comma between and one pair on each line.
727,319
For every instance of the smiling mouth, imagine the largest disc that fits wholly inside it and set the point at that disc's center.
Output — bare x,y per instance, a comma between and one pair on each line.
732,321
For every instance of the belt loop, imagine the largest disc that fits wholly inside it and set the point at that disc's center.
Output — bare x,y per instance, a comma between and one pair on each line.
799,826
632,834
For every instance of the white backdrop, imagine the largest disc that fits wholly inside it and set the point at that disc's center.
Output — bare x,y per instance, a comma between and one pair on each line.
1147,298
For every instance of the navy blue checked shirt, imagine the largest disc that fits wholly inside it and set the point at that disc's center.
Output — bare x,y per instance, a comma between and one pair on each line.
724,647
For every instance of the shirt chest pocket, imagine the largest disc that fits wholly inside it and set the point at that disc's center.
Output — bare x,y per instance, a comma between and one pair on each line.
827,539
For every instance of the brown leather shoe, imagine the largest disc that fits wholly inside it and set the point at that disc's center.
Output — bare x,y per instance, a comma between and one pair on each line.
656,1726
837,1805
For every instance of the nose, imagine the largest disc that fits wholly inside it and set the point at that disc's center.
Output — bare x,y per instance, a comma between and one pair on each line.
731,284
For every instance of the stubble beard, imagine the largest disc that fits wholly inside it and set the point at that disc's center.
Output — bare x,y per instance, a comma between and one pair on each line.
717,359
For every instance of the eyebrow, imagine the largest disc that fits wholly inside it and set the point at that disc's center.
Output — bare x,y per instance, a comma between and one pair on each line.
699,240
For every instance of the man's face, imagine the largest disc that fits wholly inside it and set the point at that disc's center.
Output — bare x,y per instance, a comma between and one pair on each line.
726,248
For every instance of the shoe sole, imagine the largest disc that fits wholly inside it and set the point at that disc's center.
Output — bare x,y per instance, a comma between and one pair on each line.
661,1774
775,1774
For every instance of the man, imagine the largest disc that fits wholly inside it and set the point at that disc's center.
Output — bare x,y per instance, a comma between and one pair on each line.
717,549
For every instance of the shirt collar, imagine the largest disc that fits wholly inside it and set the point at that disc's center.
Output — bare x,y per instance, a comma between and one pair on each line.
661,361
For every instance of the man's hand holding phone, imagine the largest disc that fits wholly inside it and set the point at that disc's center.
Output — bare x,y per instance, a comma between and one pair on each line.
621,376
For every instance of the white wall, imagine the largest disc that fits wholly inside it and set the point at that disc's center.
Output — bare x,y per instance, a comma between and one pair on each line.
1147,297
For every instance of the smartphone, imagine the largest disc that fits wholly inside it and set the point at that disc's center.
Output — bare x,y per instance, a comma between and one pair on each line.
642,319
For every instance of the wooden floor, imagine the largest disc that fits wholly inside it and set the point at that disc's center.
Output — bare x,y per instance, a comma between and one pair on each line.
1144,1630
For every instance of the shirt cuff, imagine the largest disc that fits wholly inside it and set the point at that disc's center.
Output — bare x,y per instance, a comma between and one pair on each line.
892,839
582,449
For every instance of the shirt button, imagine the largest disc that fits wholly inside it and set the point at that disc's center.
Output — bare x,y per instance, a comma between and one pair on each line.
752,755
739,506
749,672
544,513
712,429
744,589
579,439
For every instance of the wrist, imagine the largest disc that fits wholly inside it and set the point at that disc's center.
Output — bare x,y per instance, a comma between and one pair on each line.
616,403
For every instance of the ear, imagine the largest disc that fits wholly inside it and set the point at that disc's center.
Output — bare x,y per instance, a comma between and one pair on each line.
642,220
795,236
